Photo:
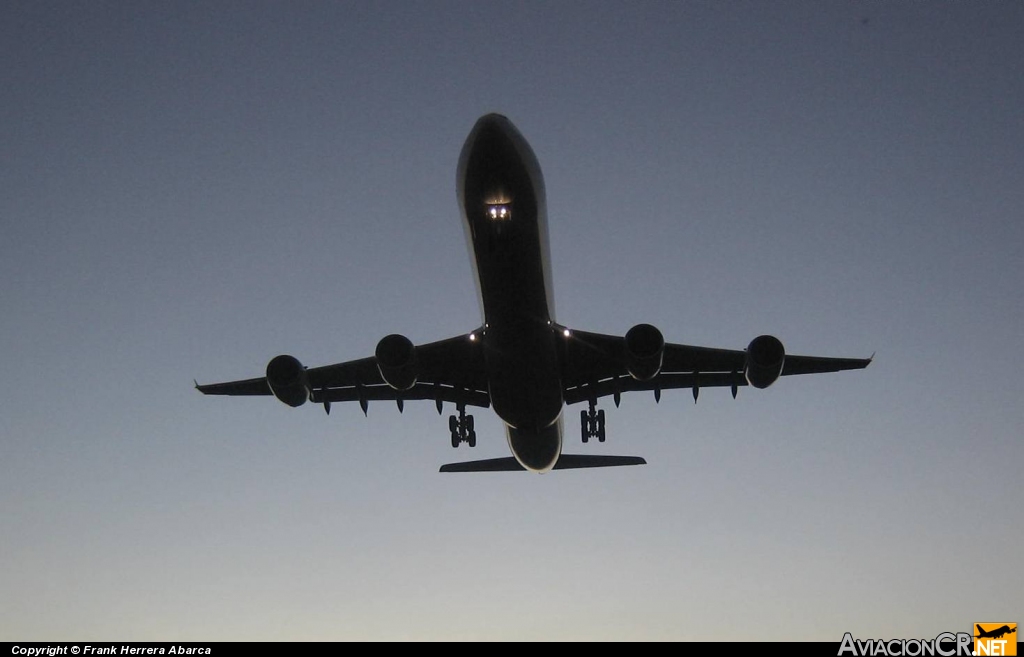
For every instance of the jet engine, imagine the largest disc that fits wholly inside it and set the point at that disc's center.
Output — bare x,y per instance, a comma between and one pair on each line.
765,356
396,360
287,379
645,348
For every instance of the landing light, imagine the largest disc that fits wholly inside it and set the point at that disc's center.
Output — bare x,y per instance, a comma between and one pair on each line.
500,212
472,337
566,332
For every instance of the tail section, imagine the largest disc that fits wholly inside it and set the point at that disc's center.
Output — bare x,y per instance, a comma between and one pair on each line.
565,462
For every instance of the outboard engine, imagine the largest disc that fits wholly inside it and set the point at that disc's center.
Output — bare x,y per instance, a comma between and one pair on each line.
396,360
645,348
765,357
287,379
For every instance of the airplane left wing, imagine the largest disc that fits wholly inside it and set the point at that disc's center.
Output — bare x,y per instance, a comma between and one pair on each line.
597,365
449,370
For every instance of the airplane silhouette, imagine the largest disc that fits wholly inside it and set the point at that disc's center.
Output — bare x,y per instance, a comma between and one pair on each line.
993,634
520,361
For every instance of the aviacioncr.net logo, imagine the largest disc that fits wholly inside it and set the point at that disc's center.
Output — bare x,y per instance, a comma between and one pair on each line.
946,644
995,639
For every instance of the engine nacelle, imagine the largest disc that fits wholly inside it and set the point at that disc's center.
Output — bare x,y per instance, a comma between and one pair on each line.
765,356
287,379
396,360
645,348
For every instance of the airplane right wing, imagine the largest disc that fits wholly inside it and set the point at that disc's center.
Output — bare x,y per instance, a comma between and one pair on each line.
449,370
597,365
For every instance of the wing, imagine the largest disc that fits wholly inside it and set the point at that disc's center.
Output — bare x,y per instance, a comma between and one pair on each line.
450,370
597,365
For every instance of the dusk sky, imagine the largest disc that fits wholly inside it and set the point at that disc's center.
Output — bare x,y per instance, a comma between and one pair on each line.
188,189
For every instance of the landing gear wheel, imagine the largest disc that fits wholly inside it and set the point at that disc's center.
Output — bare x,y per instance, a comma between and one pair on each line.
592,424
461,427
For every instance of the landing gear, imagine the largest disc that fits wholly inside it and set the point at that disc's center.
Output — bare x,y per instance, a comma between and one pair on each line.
461,428
592,424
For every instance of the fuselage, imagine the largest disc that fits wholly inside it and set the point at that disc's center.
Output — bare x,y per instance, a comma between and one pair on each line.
501,196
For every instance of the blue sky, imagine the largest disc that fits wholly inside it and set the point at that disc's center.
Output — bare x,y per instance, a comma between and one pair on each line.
187,190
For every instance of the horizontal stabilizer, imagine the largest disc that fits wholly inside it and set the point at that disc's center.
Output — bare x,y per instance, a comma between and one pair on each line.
507,464
565,462
576,461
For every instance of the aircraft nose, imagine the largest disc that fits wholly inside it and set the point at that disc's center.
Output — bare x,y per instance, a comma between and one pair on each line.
496,164
492,121
489,128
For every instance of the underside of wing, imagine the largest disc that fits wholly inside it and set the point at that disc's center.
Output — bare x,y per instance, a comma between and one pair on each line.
247,387
597,365
449,370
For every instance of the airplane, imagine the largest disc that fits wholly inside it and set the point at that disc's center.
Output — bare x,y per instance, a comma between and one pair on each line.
997,633
520,361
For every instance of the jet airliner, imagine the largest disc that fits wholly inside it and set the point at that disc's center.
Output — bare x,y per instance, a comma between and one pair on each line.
520,361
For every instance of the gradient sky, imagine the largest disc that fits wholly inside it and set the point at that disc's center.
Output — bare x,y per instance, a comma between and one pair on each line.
189,189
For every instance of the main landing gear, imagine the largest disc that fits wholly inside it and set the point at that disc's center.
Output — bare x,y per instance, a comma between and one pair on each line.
461,427
592,424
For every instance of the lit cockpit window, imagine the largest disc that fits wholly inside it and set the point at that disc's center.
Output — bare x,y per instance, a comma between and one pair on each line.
499,212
